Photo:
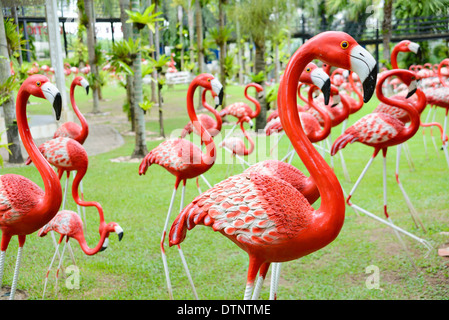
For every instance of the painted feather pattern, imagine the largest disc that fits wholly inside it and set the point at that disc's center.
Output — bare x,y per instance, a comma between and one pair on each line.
249,207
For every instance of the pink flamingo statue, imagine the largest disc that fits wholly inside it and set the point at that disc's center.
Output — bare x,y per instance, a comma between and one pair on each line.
236,146
24,206
69,225
185,160
380,131
263,222
241,109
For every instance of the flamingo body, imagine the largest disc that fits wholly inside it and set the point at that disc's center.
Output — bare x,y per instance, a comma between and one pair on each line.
245,208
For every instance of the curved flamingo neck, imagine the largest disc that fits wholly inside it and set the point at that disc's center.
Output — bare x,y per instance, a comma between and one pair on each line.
394,57
84,127
324,132
86,249
402,104
219,121
357,92
440,76
332,208
250,141
211,154
75,185
256,112
50,203
300,94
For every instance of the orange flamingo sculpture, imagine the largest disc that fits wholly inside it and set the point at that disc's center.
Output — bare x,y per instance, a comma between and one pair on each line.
185,160
263,215
380,131
69,225
24,206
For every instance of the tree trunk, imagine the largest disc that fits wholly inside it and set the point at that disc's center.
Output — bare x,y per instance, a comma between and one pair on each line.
127,34
181,37
386,28
140,149
88,7
199,43
9,106
259,66
153,55
221,23
190,19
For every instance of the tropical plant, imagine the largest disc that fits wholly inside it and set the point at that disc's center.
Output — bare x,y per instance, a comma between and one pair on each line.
14,39
4,146
147,18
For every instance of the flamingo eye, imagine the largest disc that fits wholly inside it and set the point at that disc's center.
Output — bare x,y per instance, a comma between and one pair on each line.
308,69
344,44
208,79
38,83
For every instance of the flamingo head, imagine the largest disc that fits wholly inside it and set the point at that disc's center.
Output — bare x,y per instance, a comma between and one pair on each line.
312,75
209,82
80,81
409,46
41,87
111,227
248,120
409,78
340,50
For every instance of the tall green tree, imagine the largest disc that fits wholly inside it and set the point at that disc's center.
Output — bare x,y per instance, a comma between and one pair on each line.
91,44
8,106
256,21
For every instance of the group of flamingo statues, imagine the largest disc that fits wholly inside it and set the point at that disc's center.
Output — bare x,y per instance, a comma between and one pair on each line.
24,207
266,210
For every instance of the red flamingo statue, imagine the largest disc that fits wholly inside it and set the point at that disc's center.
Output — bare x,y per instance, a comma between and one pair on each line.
69,225
318,79
185,160
71,129
241,109
380,131
213,127
269,218
24,206
438,97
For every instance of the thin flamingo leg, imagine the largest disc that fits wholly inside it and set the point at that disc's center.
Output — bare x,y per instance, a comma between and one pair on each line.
51,264
181,254
253,269
17,268
59,266
275,274
260,280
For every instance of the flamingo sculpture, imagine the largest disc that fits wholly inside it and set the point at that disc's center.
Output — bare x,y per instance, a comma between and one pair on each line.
24,207
241,109
318,79
213,127
185,160
69,225
69,155
236,146
438,97
380,131
71,129
263,215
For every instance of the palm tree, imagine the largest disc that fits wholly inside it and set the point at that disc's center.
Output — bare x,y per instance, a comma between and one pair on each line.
89,9
12,133
256,21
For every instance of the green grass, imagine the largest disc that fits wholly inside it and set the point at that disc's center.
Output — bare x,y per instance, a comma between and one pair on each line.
132,269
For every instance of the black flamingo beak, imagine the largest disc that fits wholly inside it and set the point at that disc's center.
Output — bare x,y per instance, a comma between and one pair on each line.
326,90
52,94
369,85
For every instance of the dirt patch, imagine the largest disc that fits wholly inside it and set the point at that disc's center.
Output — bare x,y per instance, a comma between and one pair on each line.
20,294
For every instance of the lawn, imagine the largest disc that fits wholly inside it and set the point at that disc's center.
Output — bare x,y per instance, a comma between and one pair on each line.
132,269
